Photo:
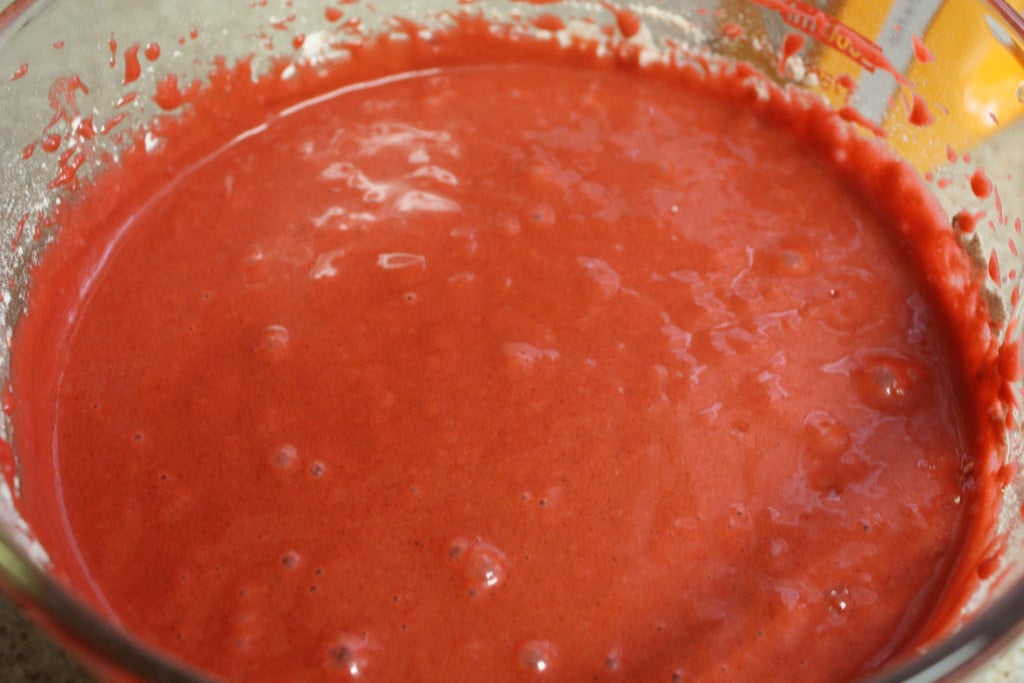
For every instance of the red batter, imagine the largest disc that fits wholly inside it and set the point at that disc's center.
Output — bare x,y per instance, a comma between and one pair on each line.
504,371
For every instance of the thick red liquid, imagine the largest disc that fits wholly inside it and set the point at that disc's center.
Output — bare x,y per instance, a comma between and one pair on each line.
498,372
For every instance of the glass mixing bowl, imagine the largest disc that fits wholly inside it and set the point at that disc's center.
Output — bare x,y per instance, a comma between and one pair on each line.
962,61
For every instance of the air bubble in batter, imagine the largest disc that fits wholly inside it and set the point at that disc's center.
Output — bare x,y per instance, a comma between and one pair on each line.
889,382
274,341
285,457
484,568
351,655
536,657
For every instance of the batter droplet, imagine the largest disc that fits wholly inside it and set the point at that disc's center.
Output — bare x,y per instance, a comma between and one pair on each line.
536,656
291,559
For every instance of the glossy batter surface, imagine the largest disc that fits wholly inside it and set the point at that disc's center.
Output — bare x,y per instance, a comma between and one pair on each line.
506,372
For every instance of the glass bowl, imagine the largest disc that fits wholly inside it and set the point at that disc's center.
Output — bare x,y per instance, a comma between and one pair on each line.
961,60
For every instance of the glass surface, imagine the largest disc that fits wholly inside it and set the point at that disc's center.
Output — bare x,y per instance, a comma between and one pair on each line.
974,86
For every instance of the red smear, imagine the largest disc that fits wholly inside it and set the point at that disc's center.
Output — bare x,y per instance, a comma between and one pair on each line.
113,51
967,157
981,186
193,34
919,114
152,52
18,229
28,150
1012,246
921,51
282,25
19,72
539,2
627,21
70,161
943,183
732,31
846,80
964,221
848,113
85,129
43,220
7,399
125,99
791,44
112,122
168,96
1017,225
993,267
548,22
1009,361
181,40
299,40
333,14
132,69
58,44
951,155
993,118
51,143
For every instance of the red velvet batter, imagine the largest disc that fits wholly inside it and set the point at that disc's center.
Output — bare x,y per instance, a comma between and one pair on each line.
529,367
